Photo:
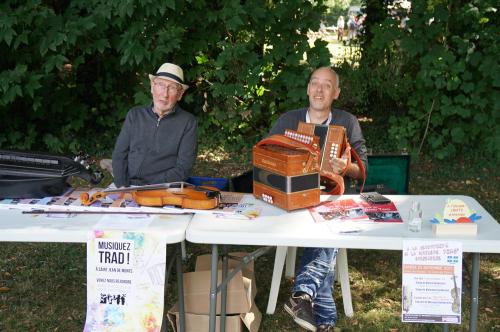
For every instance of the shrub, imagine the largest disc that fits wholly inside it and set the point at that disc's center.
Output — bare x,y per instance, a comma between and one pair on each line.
73,68
438,80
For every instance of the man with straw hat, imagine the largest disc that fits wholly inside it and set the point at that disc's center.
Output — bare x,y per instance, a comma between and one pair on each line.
157,142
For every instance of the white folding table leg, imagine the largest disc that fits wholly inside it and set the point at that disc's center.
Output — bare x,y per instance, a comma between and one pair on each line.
290,262
279,261
342,271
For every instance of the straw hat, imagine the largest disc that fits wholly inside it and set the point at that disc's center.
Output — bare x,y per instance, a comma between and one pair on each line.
170,72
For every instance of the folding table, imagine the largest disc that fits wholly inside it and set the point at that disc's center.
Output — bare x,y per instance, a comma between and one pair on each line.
279,228
18,227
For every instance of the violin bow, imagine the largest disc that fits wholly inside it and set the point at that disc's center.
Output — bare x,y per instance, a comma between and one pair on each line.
167,185
101,212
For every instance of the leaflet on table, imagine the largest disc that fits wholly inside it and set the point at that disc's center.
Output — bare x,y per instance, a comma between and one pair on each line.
232,206
386,212
242,211
240,207
350,210
70,199
339,210
71,203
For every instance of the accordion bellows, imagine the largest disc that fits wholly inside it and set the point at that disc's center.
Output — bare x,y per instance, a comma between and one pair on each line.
36,175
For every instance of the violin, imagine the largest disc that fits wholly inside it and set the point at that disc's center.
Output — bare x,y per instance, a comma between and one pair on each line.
180,194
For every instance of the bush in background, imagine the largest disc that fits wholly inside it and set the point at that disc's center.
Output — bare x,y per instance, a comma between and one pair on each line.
436,81
72,69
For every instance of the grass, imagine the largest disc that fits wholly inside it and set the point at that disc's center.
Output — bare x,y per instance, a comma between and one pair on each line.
43,285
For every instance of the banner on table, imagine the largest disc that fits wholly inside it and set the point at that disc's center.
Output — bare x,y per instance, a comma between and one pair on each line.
125,281
432,281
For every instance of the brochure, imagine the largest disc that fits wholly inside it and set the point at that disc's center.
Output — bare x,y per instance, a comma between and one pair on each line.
234,206
339,210
70,202
343,210
386,212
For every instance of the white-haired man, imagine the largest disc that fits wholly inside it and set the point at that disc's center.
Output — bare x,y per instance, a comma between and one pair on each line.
157,142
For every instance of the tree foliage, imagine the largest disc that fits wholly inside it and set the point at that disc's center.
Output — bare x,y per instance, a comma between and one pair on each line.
437,80
72,69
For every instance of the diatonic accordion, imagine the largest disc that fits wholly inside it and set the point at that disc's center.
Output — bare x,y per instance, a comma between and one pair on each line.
286,172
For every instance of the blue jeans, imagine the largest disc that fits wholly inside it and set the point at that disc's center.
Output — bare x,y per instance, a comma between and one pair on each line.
315,277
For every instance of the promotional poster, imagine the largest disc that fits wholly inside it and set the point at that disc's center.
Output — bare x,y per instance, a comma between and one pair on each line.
125,281
432,282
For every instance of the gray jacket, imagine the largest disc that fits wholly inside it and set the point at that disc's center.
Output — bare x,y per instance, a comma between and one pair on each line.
152,150
290,120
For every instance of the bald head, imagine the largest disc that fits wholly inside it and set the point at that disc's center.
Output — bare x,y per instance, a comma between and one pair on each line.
323,89
328,71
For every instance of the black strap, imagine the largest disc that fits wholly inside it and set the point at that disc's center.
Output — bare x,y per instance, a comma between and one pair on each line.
172,76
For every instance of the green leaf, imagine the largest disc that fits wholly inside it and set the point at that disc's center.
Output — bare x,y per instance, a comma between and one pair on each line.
170,4
54,62
201,59
7,35
21,39
457,135
33,84
101,45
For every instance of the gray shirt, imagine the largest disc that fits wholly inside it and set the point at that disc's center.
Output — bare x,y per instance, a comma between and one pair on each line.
152,150
290,120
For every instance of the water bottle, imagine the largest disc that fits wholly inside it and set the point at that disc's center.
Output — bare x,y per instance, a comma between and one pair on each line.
415,217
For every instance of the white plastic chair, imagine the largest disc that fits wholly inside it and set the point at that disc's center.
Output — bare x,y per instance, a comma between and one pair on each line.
342,274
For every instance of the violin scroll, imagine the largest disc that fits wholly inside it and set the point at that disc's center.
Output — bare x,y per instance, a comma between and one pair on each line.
87,200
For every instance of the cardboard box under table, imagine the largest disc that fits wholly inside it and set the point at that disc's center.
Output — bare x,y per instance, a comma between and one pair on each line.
249,321
241,311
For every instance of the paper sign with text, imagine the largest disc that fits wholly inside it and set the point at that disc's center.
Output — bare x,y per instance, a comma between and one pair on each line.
125,281
432,281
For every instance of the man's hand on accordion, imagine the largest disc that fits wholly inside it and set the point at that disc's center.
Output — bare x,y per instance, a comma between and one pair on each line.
338,165
343,167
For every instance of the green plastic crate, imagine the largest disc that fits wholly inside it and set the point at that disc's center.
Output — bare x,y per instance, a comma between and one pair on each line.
388,174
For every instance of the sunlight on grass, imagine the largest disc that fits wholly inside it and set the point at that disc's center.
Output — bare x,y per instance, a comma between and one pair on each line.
213,155
345,50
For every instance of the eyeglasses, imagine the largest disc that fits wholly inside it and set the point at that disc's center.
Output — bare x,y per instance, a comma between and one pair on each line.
162,87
